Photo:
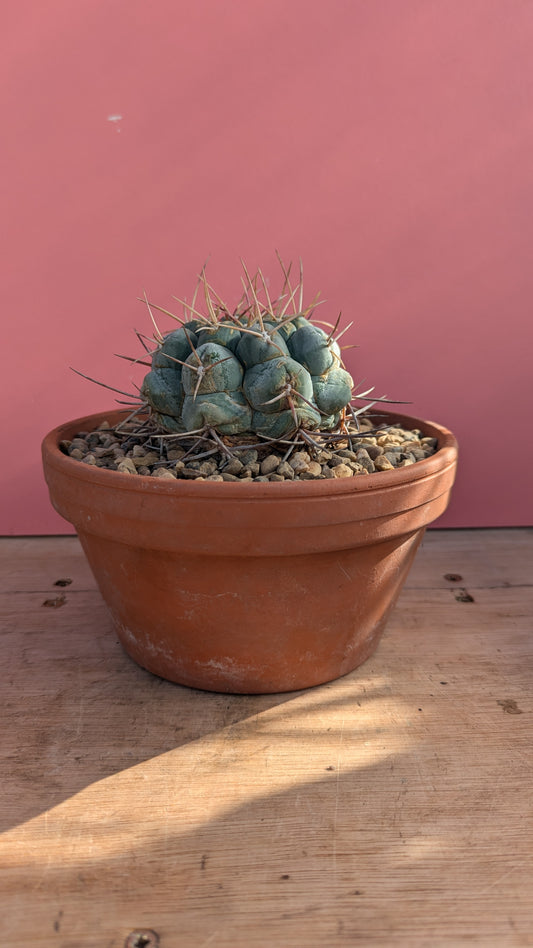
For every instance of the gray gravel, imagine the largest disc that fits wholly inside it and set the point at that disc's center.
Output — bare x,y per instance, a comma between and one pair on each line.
140,450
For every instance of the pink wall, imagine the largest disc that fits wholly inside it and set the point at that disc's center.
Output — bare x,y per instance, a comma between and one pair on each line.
389,144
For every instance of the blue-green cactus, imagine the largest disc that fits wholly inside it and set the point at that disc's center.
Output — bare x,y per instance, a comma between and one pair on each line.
252,370
333,390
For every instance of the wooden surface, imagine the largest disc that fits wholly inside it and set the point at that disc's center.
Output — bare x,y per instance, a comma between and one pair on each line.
393,807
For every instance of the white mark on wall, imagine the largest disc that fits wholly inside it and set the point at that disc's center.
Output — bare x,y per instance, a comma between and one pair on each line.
115,119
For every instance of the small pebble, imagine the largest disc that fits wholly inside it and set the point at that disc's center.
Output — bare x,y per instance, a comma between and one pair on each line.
126,466
285,470
387,441
373,450
80,444
208,467
149,458
365,461
342,470
252,469
270,464
417,452
299,461
383,464
234,466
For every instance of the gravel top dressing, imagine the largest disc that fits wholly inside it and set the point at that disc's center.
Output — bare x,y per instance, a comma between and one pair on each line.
140,448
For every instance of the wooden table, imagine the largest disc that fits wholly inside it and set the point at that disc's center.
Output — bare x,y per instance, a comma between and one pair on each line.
392,807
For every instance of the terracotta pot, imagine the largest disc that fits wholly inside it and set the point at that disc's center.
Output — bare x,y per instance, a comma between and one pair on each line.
249,587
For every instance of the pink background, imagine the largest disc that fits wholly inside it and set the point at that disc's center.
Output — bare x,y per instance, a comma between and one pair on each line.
390,144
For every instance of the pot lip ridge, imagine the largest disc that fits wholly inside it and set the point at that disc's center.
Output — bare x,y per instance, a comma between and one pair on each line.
54,458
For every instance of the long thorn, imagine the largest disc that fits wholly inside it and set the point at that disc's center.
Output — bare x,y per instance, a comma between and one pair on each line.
132,359
223,447
197,287
286,273
301,297
334,329
141,336
293,411
267,294
192,311
223,306
287,283
366,392
141,340
103,384
208,301
305,434
346,328
312,306
253,292
159,336
287,304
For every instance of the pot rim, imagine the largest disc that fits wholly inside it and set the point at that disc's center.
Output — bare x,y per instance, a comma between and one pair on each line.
445,456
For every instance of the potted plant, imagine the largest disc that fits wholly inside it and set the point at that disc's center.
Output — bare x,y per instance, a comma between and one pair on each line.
249,526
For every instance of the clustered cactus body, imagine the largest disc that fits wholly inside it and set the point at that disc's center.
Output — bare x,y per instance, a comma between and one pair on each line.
254,369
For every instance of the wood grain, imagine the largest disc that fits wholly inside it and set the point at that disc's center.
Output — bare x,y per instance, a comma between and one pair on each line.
391,807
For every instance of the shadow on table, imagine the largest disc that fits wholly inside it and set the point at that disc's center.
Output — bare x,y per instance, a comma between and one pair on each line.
76,709
353,856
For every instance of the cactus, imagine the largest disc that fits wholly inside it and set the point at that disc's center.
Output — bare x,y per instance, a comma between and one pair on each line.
256,369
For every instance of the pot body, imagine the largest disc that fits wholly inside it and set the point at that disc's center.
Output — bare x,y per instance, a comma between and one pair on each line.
250,587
